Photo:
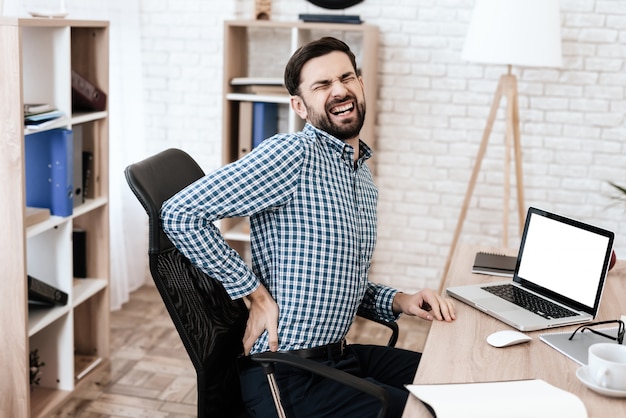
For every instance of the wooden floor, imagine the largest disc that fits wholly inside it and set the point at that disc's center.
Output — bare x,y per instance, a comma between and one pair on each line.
150,375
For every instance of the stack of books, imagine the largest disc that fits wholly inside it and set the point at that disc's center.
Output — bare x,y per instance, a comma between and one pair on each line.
41,115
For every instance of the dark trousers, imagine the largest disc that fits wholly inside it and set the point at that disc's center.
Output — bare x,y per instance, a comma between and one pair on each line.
307,395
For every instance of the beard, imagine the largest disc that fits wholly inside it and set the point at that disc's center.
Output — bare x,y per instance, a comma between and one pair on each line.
347,128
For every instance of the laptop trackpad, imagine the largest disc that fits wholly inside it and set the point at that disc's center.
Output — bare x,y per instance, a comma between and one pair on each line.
496,304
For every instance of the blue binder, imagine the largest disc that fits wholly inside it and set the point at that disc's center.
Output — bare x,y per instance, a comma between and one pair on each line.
264,121
49,171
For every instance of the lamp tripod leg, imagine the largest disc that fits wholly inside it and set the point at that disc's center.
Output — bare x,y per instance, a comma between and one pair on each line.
472,182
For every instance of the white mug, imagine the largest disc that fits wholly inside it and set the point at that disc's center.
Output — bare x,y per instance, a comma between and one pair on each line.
607,365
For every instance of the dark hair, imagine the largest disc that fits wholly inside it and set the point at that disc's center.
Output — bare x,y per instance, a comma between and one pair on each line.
309,51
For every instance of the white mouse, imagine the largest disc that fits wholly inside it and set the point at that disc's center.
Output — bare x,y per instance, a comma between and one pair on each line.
506,338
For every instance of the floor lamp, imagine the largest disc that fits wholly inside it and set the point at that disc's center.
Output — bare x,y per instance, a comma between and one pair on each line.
509,32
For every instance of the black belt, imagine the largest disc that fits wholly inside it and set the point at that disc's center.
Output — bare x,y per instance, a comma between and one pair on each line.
324,352
328,351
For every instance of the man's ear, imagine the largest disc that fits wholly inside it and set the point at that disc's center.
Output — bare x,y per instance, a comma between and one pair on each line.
298,106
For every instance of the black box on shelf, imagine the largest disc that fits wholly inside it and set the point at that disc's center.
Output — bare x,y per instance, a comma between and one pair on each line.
79,240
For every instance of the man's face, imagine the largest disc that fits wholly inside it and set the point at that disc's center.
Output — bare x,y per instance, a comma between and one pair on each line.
331,96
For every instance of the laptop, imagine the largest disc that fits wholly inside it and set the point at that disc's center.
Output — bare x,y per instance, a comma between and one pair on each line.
559,275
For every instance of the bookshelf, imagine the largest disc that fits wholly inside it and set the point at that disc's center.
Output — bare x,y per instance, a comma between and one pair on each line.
259,50
37,57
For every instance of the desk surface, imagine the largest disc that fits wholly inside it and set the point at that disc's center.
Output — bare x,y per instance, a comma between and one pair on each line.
457,352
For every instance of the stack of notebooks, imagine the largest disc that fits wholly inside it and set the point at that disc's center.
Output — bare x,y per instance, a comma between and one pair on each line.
40,115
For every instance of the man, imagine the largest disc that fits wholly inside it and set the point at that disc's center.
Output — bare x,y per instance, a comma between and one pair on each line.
312,202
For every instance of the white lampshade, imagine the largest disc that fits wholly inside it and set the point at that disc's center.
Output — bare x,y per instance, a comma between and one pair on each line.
515,32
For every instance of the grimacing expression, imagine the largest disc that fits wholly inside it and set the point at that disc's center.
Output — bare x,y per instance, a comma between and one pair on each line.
332,96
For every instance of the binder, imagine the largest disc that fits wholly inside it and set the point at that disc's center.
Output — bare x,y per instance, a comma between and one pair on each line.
49,171
85,95
42,292
264,121
77,135
88,180
245,128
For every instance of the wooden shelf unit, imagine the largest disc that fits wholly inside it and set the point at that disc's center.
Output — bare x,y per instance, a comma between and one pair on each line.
37,56
244,58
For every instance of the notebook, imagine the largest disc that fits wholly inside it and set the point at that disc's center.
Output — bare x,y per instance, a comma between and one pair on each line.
561,261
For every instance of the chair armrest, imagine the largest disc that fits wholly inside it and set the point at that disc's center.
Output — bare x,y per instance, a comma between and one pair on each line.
391,325
268,359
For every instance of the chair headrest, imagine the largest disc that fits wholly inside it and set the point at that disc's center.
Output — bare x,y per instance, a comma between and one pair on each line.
156,179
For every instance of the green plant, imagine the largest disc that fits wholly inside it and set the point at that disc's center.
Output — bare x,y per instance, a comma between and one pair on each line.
621,190
35,368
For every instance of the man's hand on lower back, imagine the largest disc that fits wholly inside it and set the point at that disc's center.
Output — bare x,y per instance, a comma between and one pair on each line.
263,316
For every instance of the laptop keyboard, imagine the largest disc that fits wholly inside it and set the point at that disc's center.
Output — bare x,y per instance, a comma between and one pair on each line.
530,301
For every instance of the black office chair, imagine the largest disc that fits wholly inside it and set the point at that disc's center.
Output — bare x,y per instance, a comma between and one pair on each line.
210,324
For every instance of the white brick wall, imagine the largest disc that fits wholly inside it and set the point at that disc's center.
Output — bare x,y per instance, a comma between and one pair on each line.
431,111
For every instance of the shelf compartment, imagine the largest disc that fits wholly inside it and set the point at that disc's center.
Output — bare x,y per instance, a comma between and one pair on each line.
46,47
40,318
84,117
43,400
89,205
55,221
239,231
55,347
49,256
84,289
48,224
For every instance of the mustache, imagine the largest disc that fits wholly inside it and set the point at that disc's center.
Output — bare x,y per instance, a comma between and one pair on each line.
336,102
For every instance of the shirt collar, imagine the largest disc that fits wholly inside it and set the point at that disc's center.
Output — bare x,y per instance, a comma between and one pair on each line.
338,145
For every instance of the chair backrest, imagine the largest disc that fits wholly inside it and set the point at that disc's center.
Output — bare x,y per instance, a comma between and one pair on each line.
210,324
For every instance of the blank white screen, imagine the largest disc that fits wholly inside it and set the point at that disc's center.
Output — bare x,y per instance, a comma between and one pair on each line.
563,258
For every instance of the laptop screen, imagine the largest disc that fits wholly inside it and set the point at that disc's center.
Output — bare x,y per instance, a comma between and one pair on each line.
566,257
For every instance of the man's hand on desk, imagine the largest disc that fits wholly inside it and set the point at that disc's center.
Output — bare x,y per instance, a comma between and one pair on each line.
425,304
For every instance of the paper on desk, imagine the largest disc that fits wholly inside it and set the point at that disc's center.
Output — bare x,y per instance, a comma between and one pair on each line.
516,398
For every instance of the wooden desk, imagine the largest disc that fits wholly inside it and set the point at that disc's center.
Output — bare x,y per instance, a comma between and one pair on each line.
457,352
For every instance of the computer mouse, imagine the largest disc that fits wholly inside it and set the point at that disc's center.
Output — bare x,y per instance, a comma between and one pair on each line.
507,338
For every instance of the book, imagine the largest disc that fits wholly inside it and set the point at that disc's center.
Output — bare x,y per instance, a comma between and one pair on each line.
514,398
49,171
45,124
262,89
35,108
327,18
83,364
36,215
578,347
259,85
257,81
34,118
494,264
42,120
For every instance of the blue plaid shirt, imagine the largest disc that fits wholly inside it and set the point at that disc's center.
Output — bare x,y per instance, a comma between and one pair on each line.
312,232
